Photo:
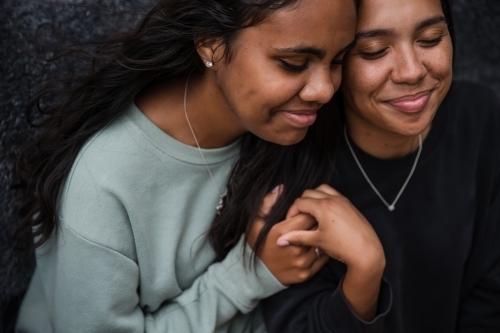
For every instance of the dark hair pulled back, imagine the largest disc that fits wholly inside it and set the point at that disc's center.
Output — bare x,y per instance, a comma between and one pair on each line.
161,47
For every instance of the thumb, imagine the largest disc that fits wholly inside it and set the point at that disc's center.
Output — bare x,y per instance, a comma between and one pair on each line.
298,238
269,200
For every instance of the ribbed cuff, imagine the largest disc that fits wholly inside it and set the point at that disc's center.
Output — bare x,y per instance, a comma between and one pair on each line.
344,320
245,282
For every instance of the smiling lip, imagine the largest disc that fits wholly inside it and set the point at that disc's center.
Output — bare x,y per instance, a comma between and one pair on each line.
303,118
411,103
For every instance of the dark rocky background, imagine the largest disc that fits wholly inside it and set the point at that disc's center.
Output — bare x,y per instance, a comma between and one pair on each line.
30,30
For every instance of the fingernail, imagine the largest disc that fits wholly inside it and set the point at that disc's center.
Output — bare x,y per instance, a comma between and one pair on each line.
282,242
275,190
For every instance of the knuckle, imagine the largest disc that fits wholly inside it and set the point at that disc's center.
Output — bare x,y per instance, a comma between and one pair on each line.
324,187
304,275
307,192
301,263
327,204
297,241
336,202
343,200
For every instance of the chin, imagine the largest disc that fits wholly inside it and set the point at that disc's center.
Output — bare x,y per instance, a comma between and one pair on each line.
416,126
413,129
287,139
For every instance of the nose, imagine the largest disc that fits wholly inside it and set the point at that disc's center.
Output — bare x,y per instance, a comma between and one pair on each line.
319,87
408,67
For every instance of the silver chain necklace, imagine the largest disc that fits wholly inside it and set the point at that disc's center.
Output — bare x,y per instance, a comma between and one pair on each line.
222,194
393,205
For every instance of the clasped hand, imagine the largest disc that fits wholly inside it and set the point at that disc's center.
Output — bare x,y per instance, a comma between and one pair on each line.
323,218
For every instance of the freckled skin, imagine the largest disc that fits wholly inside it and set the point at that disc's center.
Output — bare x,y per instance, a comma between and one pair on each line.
407,67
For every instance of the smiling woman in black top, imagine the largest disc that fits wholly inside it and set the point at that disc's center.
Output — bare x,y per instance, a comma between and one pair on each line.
421,161
419,156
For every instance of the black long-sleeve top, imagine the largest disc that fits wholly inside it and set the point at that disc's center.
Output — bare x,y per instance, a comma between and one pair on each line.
442,242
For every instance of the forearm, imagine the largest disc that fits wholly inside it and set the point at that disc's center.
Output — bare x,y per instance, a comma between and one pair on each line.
226,288
319,306
361,290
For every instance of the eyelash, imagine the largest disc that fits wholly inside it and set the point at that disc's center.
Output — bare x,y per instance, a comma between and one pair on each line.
374,55
298,69
432,42
293,68
380,53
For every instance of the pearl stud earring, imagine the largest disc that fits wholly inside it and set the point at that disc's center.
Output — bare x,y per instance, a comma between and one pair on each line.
209,64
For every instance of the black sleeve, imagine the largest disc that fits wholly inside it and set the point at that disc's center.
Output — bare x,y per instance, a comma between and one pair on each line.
319,305
480,305
479,310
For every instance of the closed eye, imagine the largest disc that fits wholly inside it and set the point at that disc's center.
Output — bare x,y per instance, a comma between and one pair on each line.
293,68
374,55
431,42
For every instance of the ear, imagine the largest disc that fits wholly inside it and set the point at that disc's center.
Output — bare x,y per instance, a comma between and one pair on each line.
210,51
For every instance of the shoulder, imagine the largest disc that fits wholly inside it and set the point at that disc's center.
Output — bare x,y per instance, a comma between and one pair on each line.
474,126
471,95
121,156
114,167
119,144
473,106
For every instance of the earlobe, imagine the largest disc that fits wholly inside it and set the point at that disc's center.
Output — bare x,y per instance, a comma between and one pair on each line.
208,51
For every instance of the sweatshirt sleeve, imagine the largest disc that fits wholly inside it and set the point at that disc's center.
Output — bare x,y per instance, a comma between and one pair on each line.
92,284
217,295
318,305
95,289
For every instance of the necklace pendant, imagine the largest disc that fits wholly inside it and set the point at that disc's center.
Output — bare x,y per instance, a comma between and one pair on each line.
221,201
391,207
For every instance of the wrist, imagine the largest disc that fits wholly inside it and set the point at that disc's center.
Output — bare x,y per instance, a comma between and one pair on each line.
361,288
367,267
369,261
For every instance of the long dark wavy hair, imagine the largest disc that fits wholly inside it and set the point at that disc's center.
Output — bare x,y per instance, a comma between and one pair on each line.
162,47
263,165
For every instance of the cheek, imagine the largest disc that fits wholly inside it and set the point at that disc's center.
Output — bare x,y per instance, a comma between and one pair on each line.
256,85
440,61
336,77
362,79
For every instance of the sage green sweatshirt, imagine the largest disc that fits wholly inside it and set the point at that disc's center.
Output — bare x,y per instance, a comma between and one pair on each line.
132,254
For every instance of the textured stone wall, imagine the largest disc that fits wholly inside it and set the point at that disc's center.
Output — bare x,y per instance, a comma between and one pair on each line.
29,29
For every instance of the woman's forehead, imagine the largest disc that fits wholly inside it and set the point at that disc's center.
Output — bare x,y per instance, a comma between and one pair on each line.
322,24
396,14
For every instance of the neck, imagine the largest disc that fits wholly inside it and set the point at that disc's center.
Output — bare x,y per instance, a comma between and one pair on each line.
382,144
212,121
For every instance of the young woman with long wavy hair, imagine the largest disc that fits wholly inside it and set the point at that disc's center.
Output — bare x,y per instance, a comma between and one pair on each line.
131,161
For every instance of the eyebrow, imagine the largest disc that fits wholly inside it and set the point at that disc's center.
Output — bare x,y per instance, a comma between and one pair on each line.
392,32
320,54
375,33
431,21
